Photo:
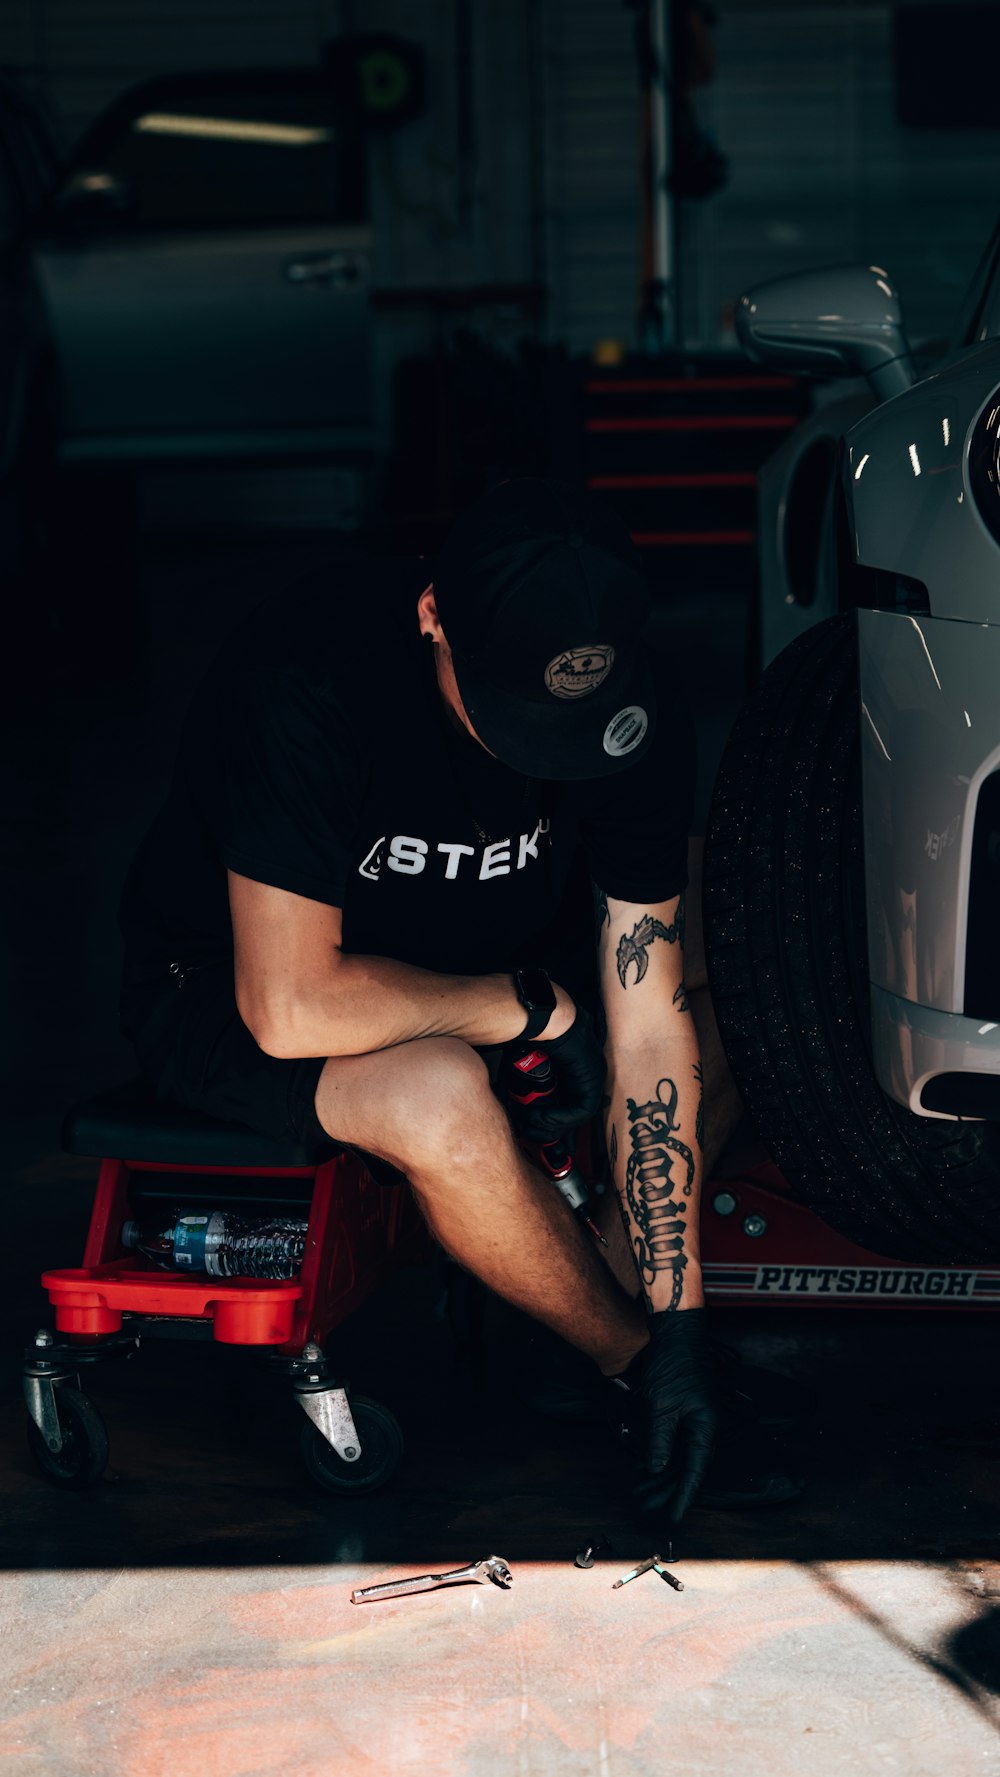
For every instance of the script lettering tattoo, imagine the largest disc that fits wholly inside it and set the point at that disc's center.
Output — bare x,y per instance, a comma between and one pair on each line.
657,1213
634,948
699,1121
681,998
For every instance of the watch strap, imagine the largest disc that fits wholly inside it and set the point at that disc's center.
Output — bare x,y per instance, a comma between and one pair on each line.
538,1018
539,1011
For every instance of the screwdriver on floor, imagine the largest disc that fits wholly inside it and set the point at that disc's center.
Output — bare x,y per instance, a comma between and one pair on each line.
655,1561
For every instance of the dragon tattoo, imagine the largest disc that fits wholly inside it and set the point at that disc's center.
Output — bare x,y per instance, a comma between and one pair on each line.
634,948
657,1213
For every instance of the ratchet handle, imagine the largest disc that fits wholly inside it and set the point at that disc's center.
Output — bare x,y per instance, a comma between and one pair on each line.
398,1588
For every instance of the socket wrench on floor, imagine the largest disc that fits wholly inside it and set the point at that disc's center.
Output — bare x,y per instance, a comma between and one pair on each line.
492,1567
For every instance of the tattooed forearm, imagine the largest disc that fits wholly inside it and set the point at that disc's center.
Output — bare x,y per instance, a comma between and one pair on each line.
635,947
699,1120
658,1215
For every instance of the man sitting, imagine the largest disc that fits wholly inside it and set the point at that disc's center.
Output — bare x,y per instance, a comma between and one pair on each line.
397,799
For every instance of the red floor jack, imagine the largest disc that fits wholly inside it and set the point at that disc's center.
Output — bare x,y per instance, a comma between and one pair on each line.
153,1158
761,1248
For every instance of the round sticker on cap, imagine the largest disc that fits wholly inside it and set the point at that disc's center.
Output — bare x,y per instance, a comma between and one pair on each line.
624,731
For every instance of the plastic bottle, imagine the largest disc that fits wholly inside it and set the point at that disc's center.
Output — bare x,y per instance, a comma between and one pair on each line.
222,1244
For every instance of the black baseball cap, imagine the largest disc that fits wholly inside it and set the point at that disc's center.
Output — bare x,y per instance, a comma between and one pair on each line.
542,598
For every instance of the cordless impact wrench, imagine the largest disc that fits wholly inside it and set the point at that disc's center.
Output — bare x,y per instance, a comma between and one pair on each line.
527,1077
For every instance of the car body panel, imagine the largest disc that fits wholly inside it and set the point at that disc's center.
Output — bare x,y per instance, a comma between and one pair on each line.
911,506
930,717
194,282
791,502
912,1045
204,335
918,560
930,735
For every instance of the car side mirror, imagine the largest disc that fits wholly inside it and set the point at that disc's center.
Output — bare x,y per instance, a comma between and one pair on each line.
844,320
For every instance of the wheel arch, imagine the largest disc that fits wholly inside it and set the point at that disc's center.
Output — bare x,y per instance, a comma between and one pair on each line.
796,502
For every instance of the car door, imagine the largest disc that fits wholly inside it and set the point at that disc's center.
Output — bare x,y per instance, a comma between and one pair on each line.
205,272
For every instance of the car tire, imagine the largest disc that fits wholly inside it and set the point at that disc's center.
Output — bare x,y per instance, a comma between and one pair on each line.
785,939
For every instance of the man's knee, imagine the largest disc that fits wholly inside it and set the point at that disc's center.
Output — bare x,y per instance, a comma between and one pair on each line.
419,1104
453,1113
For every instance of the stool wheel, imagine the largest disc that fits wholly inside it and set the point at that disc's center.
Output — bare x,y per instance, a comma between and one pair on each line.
84,1454
381,1450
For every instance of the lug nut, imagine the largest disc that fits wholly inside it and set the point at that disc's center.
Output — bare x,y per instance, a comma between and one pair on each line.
44,1337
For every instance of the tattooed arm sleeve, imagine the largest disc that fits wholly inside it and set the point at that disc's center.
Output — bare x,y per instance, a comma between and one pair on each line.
654,1114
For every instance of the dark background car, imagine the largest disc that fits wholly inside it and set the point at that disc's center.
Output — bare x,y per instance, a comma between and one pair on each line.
204,272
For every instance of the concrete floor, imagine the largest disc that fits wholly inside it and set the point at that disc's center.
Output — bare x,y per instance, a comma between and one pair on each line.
191,1616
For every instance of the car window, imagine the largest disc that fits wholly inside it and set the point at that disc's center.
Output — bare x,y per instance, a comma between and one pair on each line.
205,153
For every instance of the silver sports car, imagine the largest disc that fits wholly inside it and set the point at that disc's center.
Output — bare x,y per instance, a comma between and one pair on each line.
853,857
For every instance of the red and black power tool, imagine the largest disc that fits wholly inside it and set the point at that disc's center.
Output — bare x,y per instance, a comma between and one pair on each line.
527,1076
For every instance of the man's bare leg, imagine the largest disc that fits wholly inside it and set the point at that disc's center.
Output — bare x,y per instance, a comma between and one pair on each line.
427,1106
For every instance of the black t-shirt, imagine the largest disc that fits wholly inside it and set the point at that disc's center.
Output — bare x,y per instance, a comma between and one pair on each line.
318,757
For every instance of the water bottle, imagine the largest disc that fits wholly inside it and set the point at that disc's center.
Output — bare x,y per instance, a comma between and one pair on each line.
219,1243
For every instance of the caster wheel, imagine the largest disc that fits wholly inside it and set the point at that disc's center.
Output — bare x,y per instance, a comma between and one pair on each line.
381,1449
84,1454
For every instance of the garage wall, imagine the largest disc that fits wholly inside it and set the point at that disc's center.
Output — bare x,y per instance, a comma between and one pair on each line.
548,186
592,182
804,105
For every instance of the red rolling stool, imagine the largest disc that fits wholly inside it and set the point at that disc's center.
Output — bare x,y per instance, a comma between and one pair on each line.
154,1157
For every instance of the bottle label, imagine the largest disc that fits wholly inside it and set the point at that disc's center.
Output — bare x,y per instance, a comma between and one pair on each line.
190,1240
215,1240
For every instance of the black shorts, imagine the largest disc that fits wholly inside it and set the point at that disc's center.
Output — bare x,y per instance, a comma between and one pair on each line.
194,1047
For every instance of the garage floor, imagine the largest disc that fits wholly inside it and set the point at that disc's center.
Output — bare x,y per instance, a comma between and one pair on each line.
192,1618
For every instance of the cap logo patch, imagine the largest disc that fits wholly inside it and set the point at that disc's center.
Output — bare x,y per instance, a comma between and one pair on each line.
624,731
578,671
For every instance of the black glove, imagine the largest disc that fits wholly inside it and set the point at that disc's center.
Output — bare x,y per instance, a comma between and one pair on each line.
580,1067
673,1381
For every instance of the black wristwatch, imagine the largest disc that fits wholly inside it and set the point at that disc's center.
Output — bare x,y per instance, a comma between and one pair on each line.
536,992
